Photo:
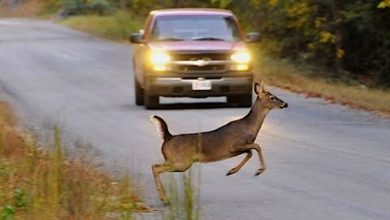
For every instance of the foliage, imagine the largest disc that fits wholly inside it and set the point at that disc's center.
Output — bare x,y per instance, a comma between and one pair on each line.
345,35
78,7
384,4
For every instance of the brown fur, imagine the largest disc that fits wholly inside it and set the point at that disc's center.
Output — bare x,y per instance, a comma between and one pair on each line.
235,138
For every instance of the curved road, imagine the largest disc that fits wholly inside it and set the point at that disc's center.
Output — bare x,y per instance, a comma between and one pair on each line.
324,161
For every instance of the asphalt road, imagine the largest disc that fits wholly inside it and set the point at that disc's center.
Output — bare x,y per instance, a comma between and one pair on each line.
324,161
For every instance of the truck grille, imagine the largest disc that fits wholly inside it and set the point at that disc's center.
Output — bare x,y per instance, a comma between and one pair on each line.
210,56
200,62
191,68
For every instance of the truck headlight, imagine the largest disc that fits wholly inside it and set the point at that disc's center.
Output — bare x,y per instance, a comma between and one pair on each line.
241,60
241,57
159,60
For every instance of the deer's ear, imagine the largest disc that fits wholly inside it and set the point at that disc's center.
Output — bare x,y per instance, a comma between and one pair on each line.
257,88
262,87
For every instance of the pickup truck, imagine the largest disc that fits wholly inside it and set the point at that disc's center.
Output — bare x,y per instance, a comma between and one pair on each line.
192,53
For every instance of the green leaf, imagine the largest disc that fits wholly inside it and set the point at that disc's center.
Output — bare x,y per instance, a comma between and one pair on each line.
7,213
384,4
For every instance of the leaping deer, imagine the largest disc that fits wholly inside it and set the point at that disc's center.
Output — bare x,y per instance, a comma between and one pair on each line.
234,138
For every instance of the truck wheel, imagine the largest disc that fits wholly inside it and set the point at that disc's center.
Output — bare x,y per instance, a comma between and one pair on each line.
241,100
151,102
139,93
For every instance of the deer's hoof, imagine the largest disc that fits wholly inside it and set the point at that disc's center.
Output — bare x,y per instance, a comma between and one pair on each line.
259,171
232,171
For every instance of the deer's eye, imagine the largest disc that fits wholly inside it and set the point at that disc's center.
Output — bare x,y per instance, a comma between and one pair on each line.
272,98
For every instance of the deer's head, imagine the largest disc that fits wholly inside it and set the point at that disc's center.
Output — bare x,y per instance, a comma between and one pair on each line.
266,99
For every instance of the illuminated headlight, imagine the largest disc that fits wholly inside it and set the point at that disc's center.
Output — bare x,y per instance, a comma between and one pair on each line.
240,60
159,60
241,57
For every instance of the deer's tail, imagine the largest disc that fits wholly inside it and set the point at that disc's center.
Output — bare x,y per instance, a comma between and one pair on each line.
161,126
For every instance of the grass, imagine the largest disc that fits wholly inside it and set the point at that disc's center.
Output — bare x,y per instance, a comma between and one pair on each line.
284,74
114,27
184,196
40,184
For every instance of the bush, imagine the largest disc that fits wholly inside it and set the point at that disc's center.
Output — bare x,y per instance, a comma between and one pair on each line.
78,7
100,7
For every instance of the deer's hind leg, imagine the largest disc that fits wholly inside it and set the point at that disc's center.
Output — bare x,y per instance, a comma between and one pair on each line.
166,167
157,170
241,164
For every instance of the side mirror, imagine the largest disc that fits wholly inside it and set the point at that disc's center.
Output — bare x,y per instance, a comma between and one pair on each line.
136,38
253,37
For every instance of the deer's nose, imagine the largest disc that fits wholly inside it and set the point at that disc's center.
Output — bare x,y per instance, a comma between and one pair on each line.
284,105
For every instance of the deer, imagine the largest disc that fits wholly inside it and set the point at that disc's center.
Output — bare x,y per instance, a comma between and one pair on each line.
232,139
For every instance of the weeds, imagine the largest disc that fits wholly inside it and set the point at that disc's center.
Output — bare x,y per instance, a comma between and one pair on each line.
40,184
184,196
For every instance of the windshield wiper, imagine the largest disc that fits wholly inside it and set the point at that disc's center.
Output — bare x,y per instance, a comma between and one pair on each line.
209,38
170,39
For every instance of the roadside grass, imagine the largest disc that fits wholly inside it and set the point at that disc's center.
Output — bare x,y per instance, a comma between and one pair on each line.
184,196
114,27
46,184
273,71
303,79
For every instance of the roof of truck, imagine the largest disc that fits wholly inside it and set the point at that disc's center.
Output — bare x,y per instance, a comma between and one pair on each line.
191,11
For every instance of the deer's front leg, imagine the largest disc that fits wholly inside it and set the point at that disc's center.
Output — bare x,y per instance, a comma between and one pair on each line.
257,148
261,159
238,167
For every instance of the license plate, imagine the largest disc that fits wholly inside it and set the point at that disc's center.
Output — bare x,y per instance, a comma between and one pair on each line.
201,85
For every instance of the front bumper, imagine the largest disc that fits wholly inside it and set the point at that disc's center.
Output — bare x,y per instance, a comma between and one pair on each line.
175,86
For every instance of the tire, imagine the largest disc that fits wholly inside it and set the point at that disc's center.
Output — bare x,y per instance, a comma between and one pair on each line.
151,102
242,100
139,93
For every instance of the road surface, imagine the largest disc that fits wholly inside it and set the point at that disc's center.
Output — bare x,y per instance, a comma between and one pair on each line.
324,161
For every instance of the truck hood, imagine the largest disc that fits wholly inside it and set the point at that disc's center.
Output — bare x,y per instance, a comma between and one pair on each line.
197,45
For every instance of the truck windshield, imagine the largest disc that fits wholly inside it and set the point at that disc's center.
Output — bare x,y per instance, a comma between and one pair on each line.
195,27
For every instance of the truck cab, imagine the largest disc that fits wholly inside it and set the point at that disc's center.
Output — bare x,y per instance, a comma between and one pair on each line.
192,53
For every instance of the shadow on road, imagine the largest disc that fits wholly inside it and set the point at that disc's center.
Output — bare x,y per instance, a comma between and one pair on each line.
184,106
208,105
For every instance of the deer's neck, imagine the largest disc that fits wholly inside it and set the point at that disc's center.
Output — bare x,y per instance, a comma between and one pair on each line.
255,117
